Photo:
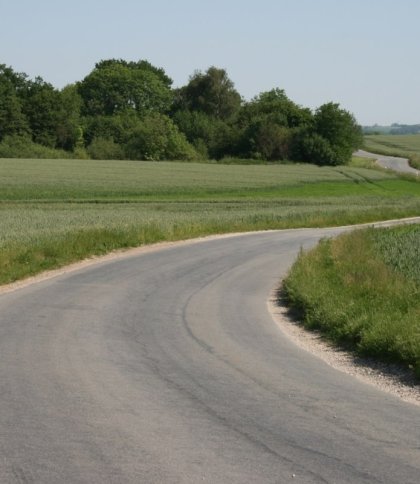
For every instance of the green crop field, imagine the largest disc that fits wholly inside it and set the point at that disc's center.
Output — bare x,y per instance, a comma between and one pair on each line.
363,290
394,143
407,145
53,212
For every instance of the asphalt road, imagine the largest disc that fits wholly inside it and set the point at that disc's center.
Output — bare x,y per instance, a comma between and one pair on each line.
167,368
390,162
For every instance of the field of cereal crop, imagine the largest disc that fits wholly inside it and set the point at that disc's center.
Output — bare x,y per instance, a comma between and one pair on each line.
53,212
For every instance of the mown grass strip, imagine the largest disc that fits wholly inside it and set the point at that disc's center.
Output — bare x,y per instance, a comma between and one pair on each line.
362,290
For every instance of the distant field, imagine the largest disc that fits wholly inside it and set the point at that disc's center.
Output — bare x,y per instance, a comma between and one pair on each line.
407,145
82,180
53,212
363,290
393,143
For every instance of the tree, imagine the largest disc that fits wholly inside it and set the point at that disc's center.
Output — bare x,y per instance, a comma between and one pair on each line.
68,128
340,129
313,148
212,93
211,137
12,119
118,127
275,107
115,86
268,123
143,65
41,104
205,111
158,138
270,141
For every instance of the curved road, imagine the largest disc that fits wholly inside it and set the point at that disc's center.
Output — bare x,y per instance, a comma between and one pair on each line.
166,367
390,162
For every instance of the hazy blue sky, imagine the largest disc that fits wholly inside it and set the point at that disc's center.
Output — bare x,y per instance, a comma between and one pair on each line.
364,54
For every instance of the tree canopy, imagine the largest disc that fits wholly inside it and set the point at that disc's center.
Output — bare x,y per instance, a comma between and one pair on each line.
211,92
339,128
116,85
126,109
12,119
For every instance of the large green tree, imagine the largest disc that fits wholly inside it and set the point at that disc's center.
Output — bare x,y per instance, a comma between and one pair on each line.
158,138
210,92
275,107
115,86
340,129
205,111
332,138
118,127
12,119
212,138
268,124
68,129
41,105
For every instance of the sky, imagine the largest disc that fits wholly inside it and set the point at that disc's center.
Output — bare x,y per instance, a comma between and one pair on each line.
362,54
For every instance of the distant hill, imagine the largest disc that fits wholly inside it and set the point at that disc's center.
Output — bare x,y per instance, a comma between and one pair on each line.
395,128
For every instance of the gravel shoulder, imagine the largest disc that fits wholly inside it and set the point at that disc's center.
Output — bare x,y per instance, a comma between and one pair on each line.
386,377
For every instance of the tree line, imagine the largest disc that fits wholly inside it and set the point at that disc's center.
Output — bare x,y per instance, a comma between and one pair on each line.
129,110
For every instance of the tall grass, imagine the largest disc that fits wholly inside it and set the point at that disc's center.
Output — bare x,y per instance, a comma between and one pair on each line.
363,291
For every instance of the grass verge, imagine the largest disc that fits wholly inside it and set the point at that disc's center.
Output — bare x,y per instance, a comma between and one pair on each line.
362,290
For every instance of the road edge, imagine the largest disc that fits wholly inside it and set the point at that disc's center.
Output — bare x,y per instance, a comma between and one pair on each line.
389,378
144,249
383,377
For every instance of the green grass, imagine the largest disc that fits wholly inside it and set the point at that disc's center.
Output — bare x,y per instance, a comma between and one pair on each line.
407,146
363,291
362,162
53,212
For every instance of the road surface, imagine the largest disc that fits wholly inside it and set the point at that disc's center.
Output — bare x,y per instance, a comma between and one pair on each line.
390,162
166,367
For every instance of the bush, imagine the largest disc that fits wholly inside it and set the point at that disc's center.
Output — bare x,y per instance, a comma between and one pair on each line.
271,141
211,137
313,148
158,138
105,149
21,146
